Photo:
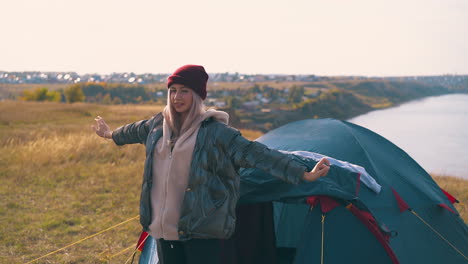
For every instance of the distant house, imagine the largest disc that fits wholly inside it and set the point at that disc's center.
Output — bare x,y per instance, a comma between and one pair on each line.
251,105
216,103
282,100
259,78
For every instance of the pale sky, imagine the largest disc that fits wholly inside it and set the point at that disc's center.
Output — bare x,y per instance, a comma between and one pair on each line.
322,37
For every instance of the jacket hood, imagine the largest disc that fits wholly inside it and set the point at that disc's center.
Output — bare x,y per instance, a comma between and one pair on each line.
218,115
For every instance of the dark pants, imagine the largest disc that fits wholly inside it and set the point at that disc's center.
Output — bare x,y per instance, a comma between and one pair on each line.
196,251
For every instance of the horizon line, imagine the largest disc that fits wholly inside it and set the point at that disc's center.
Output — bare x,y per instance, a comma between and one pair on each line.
242,73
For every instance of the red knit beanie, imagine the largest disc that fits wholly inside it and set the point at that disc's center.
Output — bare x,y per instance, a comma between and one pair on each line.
193,76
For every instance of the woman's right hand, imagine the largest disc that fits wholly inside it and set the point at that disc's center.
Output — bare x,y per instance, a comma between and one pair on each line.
101,128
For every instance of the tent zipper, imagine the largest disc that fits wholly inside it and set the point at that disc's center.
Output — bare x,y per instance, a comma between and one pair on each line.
323,233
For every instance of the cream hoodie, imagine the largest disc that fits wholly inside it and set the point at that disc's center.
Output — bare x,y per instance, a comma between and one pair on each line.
171,174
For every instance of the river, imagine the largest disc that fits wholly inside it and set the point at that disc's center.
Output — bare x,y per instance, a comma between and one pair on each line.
433,131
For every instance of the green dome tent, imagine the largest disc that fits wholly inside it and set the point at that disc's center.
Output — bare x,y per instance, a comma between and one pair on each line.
337,219
415,217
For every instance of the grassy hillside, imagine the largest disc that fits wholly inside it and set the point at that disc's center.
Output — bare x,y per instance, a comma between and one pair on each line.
61,183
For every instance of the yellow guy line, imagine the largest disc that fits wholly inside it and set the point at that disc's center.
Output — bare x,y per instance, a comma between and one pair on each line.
435,231
121,252
134,251
81,240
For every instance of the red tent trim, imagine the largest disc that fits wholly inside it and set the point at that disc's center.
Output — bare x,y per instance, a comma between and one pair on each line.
141,241
446,207
450,197
369,221
326,203
401,203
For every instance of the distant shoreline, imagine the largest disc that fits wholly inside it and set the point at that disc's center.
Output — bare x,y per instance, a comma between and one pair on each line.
420,127
411,101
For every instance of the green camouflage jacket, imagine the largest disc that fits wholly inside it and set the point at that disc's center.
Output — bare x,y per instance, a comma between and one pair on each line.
208,208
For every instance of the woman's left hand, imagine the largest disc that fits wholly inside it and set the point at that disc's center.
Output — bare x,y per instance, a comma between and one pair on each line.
320,170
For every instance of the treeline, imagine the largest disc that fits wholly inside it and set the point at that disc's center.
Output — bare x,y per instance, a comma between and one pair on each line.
262,106
104,93
70,95
110,93
263,94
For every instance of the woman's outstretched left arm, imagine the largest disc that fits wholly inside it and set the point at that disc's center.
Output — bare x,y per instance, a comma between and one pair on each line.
249,154
320,169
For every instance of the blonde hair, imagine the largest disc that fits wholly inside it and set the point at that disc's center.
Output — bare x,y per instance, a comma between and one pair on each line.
172,118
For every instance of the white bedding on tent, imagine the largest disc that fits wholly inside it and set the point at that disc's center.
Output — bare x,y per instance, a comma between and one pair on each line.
368,180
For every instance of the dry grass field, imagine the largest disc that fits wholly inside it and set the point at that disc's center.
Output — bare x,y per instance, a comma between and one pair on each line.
61,183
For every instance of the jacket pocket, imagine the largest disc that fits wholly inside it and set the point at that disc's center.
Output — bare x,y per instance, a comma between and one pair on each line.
213,225
216,195
214,209
211,201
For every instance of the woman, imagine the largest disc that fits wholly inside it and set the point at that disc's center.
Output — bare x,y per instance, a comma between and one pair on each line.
191,183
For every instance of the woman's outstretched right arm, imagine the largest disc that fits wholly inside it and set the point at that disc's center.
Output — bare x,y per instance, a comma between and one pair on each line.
101,128
128,134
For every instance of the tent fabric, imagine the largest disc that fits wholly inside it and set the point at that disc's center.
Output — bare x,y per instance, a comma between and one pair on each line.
390,166
345,240
368,220
149,253
422,230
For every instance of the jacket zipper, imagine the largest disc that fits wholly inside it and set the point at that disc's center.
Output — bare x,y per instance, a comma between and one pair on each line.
166,183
